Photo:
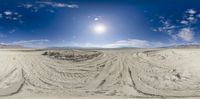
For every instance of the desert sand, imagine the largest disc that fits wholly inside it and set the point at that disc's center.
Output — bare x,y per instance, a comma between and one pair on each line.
100,74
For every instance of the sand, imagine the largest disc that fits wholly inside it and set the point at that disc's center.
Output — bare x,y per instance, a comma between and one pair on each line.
100,74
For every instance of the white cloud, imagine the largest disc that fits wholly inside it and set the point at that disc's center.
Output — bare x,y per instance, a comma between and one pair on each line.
183,31
8,13
184,22
32,43
96,19
11,15
191,16
72,6
16,13
14,18
167,27
191,19
121,44
155,30
51,11
58,5
36,6
191,11
32,6
27,5
186,34
128,43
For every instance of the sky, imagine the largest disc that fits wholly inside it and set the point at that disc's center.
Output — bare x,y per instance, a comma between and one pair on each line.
99,23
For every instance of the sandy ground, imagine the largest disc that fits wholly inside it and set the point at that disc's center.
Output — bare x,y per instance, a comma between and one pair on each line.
114,74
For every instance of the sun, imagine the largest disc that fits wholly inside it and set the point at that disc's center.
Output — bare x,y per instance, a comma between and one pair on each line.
99,28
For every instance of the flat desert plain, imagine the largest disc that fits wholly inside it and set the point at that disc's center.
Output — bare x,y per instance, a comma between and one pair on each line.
100,74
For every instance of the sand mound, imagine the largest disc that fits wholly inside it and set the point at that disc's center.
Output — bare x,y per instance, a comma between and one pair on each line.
170,72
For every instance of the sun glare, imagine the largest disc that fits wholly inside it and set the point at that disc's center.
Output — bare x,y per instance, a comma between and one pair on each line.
99,28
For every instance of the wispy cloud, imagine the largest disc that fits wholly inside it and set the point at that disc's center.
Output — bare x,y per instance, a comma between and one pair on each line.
31,43
36,6
58,4
183,30
11,15
190,16
184,22
121,44
186,34
129,43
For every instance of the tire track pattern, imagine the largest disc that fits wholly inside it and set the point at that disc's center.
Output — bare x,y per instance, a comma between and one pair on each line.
113,73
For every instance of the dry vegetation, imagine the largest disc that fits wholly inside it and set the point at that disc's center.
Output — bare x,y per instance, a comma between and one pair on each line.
72,55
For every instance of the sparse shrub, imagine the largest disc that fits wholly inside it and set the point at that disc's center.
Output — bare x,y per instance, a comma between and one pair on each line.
45,53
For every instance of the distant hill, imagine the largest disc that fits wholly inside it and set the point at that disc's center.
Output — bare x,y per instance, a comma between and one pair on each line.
91,48
185,46
164,47
3,46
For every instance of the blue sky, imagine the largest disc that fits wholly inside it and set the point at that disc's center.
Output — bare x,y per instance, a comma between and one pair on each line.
128,23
